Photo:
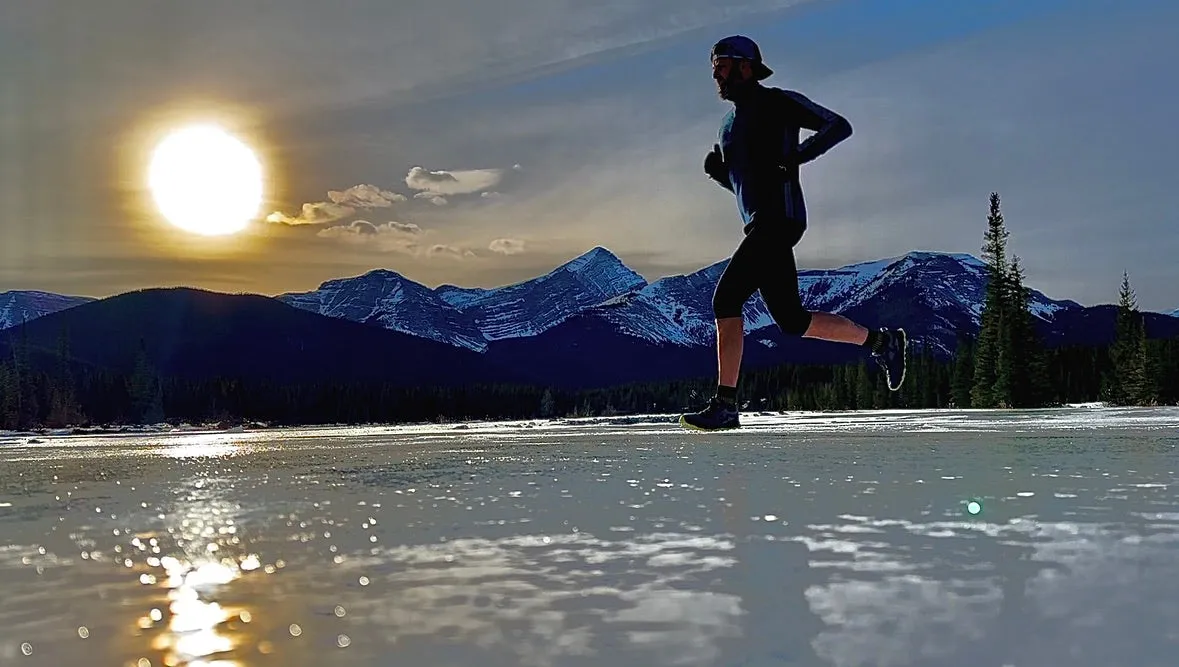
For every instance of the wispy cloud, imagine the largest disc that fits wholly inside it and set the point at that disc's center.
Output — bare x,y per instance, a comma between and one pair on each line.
506,246
437,200
365,196
315,213
343,204
444,182
402,238
443,250
391,236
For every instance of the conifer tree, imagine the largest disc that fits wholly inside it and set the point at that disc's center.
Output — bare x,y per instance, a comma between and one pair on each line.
962,379
147,404
547,404
863,388
1130,376
1026,371
7,396
1149,362
986,362
63,405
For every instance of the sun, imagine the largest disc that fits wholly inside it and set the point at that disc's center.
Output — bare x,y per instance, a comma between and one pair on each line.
206,181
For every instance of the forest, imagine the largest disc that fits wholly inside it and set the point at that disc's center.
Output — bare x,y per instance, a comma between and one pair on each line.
1005,365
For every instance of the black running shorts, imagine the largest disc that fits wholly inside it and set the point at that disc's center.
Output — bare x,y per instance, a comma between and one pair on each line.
764,261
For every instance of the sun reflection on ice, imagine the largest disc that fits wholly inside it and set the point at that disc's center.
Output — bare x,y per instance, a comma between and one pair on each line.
201,445
196,628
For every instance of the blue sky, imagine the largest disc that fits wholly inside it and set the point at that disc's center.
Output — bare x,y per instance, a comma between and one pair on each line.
584,124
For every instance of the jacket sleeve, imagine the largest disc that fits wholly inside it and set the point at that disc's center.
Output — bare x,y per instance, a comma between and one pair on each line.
830,128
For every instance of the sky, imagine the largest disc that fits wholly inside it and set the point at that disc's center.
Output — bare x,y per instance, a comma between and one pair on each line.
478,144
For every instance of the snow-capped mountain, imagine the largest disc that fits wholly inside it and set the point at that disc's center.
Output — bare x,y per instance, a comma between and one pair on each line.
589,322
471,317
935,295
18,306
390,300
1174,313
678,309
532,306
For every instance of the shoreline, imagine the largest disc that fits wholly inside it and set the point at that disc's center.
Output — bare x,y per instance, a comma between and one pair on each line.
256,426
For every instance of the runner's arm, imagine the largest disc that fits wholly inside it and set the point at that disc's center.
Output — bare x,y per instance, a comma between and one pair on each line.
830,128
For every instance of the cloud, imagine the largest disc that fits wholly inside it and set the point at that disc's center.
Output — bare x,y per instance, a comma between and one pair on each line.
318,213
506,246
405,238
433,198
443,250
402,237
342,205
490,194
452,182
365,196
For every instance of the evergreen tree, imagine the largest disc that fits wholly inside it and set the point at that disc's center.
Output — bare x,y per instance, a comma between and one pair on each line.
1145,357
147,405
27,406
63,404
962,379
547,404
1026,373
863,388
1128,382
986,362
8,395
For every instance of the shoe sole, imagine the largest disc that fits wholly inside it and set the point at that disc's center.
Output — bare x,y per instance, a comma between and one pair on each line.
904,362
690,426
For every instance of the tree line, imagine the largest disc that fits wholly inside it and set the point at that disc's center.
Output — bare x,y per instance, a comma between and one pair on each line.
1005,366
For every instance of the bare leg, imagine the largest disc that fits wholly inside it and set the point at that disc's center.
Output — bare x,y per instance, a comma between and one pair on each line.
730,339
835,328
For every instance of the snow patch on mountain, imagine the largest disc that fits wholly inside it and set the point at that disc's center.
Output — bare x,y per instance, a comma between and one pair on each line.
19,306
533,306
472,317
388,299
677,310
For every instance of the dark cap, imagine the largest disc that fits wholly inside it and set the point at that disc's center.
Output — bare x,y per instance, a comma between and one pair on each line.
742,48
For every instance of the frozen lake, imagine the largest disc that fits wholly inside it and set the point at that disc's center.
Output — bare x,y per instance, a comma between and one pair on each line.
837,539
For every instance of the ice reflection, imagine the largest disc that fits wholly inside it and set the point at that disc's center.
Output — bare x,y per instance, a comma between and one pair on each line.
196,629
892,604
201,445
547,598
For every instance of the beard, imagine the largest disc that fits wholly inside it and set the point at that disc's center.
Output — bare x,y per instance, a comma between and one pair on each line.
731,87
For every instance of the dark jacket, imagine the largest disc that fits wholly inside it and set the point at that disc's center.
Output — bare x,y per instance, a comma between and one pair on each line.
760,147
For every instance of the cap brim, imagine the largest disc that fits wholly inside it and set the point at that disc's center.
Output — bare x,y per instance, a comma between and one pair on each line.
762,72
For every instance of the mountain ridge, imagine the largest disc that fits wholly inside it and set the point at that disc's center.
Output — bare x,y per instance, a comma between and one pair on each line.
591,321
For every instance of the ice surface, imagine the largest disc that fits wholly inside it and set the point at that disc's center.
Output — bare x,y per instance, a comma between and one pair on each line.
806,539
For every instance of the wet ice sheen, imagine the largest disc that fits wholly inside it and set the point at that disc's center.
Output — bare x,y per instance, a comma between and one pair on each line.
838,539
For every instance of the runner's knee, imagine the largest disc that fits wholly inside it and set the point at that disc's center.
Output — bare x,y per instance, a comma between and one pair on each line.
726,303
793,322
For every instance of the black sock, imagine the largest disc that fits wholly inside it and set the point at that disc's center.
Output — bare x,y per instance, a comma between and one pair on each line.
727,393
874,341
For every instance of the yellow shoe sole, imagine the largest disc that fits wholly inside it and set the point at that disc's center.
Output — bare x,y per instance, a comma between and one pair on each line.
686,424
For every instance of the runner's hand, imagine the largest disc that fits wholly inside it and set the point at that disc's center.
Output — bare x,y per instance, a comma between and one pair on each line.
714,164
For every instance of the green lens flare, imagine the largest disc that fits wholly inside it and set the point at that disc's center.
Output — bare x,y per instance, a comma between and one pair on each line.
974,507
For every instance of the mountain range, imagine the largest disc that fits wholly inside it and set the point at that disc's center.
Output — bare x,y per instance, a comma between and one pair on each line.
591,321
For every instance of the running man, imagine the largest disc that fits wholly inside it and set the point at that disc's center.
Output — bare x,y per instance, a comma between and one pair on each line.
758,159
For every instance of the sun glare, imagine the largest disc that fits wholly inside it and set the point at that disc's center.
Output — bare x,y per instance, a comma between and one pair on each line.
206,181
